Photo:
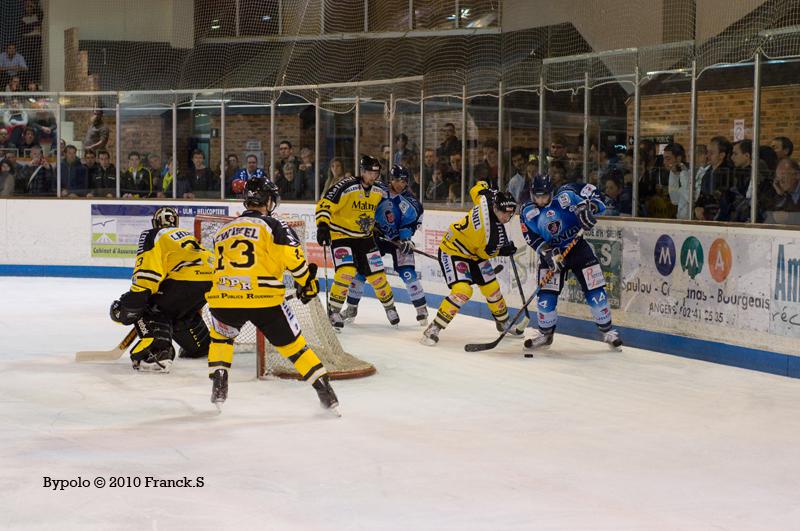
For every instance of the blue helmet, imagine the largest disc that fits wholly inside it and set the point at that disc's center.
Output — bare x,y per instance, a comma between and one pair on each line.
542,185
399,172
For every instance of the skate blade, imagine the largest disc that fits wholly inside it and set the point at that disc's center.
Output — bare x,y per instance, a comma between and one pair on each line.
218,406
335,411
423,322
428,342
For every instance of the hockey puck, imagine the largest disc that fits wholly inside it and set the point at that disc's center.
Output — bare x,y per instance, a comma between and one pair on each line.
528,355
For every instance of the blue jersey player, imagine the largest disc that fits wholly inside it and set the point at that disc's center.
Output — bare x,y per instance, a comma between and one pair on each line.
397,217
549,224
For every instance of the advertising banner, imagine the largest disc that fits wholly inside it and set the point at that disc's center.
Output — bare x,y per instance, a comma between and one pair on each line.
785,288
116,227
716,278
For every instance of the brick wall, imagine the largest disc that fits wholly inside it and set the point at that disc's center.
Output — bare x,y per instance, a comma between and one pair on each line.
716,111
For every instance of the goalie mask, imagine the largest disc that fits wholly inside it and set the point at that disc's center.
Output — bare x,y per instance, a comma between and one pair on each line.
261,192
165,217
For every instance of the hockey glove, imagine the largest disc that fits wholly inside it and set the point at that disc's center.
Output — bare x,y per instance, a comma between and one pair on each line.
308,292
324,234
552,258
129,309
508,249
585,215
406,246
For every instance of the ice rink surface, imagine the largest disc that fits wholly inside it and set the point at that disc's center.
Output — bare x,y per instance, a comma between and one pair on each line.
577,438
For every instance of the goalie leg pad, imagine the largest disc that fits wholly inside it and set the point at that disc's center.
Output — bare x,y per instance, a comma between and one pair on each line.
460,293
154,351
192,336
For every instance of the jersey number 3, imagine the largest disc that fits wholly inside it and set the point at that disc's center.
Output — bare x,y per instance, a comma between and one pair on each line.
248,253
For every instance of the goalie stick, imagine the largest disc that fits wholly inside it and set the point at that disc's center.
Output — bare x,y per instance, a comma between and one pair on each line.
479,347
107,355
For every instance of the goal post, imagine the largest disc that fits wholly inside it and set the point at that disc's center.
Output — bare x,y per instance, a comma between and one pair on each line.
314,323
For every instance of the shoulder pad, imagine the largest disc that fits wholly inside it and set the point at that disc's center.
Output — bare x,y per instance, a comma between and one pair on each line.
588,191
564,200
529,211
282,233
147,240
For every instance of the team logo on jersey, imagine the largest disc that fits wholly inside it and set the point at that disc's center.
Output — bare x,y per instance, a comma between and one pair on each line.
550,213
664,254
554,227
563,200
365,223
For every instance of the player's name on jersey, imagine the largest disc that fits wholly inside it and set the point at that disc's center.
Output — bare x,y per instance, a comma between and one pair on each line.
247,232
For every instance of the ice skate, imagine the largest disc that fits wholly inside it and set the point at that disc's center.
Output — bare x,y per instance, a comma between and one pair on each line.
540,341
431,335
349,313
392,315
336,321
327,398
516,331
612,338
156,362
219,387
422,315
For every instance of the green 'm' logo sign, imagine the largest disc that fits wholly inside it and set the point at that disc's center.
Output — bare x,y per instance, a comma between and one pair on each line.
692,256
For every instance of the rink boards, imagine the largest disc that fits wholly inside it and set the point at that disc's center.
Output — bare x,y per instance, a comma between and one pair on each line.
720,293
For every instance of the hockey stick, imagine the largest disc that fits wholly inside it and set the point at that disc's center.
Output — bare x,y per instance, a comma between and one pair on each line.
327,287
107,355
478,347
497,268
521,293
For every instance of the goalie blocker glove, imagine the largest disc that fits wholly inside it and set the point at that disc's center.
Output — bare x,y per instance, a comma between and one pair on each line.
324,235
308,292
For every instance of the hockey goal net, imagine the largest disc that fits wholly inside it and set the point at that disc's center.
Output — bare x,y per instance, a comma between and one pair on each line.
312,318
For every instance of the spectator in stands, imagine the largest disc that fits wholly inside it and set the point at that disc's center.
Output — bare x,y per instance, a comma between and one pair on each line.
155,167
574,166
14,84
450,144
16,120
12,63
11,157
558,174
386,162
401,150
675,163
167,180
97,134
558,149
740,190
531,170
786,186
287,156
44,125
717,178
616,196
250,170
486,170
5,142
37,177
31,36
607,160
335,174
230,171
306,172
517,180
202,181
453,173
783,147
454,194
438,188
136,181
428,167
74,181
654,183
290,182
102,175
7,178
27,141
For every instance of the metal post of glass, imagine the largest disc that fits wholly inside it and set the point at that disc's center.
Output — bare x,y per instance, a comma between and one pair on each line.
222,158
586,110
175,149
500,136
463,142
316,147
356,157
636,133
271,170
391,132
754,157
541,123
421,144
692,139
118,147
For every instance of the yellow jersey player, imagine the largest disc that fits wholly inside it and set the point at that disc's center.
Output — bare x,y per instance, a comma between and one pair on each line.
170,279
345,218
464,258
251,253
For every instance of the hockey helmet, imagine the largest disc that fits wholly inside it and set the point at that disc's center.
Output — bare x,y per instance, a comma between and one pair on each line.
258,191
165,217
400,173
504,202
542,185
370,163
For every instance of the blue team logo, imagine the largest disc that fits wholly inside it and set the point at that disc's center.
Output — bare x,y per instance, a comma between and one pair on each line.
664,254
554,227
551,213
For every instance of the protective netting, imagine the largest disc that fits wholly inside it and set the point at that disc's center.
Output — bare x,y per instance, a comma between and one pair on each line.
312,318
